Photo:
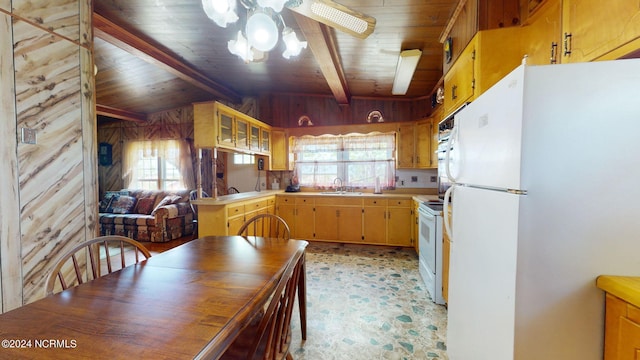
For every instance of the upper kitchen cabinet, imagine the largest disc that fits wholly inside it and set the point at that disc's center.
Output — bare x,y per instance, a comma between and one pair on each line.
219,126
279,150
563,31
489,56
405,144
413,144
459,81
424,158
542,34
471,16
599,30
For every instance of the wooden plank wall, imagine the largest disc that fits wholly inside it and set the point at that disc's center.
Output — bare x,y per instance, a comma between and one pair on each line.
48,47
285,110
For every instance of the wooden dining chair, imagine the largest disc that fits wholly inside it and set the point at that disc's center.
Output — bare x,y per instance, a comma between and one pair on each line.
269,225
94,258
268,336
265,225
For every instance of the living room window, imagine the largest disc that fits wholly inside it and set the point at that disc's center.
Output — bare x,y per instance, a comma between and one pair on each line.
358,159
158,165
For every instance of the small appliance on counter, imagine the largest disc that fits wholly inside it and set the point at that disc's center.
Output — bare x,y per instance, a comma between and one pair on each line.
293,188
294,185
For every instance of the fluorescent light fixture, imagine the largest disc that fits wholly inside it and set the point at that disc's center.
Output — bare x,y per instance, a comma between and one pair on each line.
338,17
407,63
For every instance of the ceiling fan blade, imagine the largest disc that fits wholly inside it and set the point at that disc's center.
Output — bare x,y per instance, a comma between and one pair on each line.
335,15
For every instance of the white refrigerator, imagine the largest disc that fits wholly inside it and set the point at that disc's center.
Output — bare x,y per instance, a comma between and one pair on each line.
546,166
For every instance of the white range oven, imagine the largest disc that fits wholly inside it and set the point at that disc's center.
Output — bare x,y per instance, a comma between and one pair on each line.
430,248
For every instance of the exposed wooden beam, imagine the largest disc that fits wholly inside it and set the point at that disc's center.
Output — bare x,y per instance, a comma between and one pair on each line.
120,114
145,50
324,49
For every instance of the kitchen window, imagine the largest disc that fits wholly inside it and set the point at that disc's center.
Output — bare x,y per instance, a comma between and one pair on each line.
358,159
161,164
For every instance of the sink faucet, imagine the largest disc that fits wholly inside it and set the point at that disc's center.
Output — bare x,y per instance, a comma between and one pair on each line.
338,179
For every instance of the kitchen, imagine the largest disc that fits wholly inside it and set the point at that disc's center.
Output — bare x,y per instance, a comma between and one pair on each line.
279,110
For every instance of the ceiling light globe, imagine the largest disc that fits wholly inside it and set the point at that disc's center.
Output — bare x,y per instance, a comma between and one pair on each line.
262,31
276,5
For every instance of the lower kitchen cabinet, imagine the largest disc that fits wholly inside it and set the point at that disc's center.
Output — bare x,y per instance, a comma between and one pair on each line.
338,219
375,224
349,219
286,209
298,213
227,218
304,223
399,214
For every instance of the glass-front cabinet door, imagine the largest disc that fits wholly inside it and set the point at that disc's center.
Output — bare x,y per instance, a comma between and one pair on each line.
242,133
225,129
266,141
255,137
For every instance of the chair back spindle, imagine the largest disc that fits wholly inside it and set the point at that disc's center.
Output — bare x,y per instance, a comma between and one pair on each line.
86,261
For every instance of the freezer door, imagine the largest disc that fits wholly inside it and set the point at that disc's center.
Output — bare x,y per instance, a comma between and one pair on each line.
487,138
482,275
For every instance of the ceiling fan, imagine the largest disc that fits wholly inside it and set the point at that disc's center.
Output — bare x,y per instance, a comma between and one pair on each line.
335,15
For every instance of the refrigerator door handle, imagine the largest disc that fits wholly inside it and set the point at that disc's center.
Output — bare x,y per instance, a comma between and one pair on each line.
445,209
447,154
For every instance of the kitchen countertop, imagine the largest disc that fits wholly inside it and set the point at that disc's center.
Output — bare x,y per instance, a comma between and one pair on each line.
626,288
229,199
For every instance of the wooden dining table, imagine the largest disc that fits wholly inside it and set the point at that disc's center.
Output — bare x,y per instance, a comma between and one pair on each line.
189,302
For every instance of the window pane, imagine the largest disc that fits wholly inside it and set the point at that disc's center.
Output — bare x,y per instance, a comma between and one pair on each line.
157,165
357,159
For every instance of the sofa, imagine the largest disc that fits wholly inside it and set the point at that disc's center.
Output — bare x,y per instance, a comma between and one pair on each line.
146,215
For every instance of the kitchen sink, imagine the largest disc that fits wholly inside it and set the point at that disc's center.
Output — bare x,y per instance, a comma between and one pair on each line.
342,193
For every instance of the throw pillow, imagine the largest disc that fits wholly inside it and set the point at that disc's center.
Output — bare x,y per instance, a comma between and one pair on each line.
145,205
109,196
104,204
122,205
167,200
176,199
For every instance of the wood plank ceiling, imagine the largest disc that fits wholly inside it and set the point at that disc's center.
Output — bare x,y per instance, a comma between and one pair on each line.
154,55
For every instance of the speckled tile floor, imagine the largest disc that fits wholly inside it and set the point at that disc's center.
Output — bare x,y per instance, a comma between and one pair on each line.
367,302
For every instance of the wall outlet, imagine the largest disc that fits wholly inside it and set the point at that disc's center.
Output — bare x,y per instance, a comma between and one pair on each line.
433,179
29,136
414,179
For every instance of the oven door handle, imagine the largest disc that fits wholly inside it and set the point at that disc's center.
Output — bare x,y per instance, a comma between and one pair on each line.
426,214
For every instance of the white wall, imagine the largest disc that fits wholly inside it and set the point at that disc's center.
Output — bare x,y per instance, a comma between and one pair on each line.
423,178
244,177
